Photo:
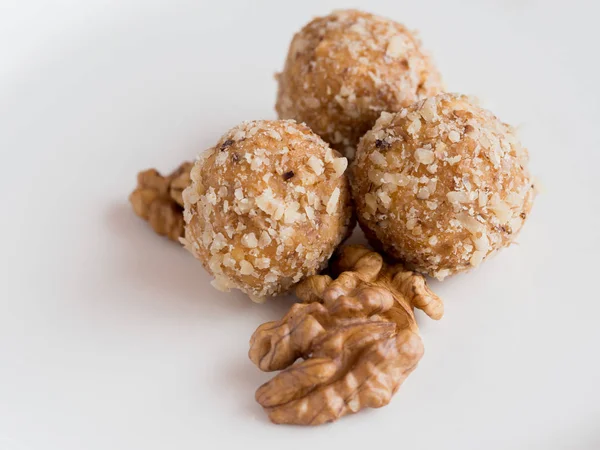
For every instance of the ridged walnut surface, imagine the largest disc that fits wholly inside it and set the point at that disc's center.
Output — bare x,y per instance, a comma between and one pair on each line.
356,335
157,199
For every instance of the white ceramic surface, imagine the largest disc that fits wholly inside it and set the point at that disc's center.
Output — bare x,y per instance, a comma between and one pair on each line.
111,338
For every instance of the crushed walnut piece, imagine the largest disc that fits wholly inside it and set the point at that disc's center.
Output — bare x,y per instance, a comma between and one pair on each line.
344,69
356,335
158,199
449,188
267,207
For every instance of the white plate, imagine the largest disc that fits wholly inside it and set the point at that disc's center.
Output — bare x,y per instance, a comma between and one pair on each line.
111,338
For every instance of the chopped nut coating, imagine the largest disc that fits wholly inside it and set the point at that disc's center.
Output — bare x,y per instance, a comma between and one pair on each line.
157,199
344,69
441,185
357,336
267,207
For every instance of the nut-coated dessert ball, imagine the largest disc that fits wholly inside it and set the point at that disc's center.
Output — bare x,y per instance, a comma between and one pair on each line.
266,207
344,69
441,185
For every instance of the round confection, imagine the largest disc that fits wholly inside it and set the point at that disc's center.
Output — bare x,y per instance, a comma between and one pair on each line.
344,69
267,206
441,185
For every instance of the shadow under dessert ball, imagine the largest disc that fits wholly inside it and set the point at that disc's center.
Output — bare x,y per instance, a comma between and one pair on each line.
344,69
441,185
266,207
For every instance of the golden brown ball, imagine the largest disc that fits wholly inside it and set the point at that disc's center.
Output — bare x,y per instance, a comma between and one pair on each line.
344,69
267,207
442,184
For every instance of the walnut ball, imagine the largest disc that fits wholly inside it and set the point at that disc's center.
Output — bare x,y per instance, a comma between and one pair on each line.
442,185
344,69
267,206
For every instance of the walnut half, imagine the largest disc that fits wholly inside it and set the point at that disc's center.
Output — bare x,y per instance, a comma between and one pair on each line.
158,199
356,335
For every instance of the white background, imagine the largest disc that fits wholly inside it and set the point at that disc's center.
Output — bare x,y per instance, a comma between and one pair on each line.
111,338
